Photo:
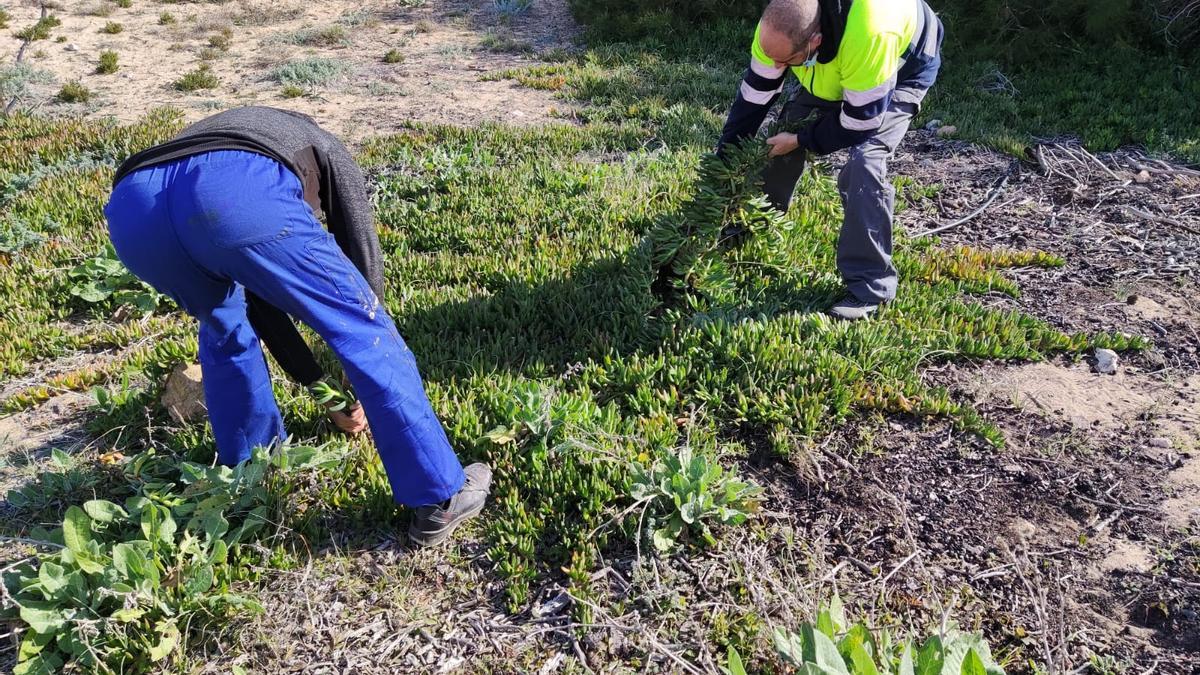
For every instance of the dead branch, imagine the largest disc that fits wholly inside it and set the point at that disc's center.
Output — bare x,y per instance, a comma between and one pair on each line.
999,187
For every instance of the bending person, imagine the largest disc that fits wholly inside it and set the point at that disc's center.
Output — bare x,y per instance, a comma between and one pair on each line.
226,208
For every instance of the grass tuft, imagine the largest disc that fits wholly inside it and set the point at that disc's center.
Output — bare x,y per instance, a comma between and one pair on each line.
393,56
112,28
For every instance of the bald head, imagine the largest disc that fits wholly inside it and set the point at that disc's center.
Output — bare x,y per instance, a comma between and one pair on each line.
798,20
791,30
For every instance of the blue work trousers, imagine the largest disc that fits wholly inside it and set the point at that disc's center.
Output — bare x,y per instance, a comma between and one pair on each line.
203,230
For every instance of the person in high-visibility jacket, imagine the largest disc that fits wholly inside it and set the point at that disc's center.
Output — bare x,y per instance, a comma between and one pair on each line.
864,66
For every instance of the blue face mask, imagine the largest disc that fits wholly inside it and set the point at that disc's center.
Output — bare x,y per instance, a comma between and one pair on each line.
812,61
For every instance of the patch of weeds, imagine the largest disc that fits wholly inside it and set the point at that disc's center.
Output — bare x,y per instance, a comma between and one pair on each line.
103,282
74,92
112,28
423,26
124,4
101,9
60,39
328,36
504,41
15,80
315,71
108,63
40,30
682,493
198,79
123,585
362,17
40,54
292,91
5,17
16,235
210,54
832,645
56,488
393,56
223,40
167,19
508,9
380,89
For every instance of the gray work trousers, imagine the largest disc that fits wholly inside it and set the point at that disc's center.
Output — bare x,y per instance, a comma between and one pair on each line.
864,256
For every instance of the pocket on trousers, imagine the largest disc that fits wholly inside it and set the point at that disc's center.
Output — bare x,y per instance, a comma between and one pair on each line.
347,282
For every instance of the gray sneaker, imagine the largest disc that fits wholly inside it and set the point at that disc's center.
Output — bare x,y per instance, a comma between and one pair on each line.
851,308
434,523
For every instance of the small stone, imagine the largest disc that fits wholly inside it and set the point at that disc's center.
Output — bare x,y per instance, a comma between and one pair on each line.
1160,442
1142,177
72,47
933,125
947,131
183,394
1013,468
1106,361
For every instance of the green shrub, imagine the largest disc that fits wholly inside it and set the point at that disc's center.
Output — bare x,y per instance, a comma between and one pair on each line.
222,41
329,36
166,19
74,92
313,71
124,4
40,30
292,91
112,28
16,78
200,78
108,63
393,56
5,17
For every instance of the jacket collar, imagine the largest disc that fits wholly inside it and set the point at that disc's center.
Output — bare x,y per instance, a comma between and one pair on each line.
833,28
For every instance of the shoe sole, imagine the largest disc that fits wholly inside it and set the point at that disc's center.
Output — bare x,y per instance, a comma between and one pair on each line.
427,539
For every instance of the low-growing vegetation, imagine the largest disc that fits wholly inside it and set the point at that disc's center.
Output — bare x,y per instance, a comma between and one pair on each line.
40,30
107,64
199,79
74,92
613,379
112,28
315,71
327,36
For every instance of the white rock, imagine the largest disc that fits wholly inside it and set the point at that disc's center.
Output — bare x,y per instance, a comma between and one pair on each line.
1160,442
72,47
947,131
183,394
1106,361
1142,176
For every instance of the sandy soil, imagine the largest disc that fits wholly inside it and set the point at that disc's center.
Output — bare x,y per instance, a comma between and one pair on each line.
448,47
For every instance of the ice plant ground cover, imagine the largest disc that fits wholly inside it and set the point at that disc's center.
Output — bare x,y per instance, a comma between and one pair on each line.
581,324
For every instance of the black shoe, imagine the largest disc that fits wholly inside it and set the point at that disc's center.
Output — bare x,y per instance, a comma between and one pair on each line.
851,308
434,523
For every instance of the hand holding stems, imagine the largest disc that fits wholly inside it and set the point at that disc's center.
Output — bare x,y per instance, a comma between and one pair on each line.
340,405
782,144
